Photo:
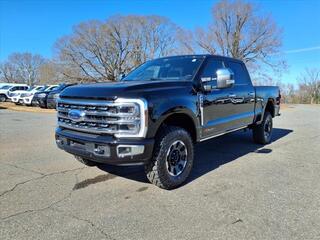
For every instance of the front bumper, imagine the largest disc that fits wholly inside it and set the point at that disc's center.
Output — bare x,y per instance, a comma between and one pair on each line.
14,99
51,103
84,145
42,102
27,100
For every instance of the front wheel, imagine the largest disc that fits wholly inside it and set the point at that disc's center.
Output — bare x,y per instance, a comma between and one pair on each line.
172,160
3,98
262,133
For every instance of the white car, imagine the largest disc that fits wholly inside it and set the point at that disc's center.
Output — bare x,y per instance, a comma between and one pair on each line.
12,91
26,98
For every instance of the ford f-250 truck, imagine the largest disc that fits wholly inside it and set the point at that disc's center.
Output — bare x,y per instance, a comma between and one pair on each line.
156,114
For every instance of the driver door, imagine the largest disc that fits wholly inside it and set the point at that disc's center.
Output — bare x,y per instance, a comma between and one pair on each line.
217,109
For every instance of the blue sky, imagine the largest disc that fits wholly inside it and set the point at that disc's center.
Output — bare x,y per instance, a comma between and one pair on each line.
35,25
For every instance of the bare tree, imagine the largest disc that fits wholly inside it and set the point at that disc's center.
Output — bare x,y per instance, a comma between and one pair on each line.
154,37
309,86
185,42
52,73
238,31
100,51
8,73
22,67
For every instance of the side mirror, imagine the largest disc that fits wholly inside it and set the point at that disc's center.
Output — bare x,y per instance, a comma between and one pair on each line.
225,78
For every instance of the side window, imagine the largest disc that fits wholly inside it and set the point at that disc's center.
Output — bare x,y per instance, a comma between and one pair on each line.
13,89
211,68
241,76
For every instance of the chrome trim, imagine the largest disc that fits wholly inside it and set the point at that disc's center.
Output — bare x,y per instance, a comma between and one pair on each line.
135,150
93,129
220,134
121,121
139,117
201,108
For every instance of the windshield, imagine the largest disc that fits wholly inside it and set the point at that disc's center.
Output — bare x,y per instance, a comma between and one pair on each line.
30,89
51,88
6,87
41,88
172,68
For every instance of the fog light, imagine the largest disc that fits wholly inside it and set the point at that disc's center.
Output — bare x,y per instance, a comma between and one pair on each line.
99,150
102,150
59,141
129,150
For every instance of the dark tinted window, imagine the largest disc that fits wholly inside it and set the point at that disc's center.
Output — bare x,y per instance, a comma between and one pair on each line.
211,68
240,74
209,72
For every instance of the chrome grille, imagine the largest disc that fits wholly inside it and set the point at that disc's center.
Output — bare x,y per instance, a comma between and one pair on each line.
99,116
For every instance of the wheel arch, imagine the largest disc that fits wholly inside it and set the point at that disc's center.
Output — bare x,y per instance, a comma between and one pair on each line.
183,118
269,106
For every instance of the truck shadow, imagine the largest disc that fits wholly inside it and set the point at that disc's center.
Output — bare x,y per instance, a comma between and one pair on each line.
209,155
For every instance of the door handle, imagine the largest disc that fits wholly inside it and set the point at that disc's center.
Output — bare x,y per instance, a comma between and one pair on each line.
232,95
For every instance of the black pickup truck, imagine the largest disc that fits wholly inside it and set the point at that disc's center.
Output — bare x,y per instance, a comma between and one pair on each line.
155,114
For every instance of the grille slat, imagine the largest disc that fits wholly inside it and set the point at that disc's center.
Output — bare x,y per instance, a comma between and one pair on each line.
99,117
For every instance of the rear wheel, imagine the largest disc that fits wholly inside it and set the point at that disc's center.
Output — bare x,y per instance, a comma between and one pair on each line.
262,133
86,162
172,159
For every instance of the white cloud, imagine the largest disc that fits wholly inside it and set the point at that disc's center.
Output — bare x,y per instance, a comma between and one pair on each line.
300,50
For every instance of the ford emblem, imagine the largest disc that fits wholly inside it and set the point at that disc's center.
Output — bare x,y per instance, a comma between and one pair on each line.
76,115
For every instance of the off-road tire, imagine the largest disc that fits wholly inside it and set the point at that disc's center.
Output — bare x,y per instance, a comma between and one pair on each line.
156,170
259,131
3,98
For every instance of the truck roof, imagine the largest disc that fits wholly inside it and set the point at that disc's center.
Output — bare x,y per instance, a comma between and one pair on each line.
203,56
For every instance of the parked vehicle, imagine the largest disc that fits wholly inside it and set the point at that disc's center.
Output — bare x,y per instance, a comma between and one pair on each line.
40,98
54,94
157,113
6,84
27,96
12,92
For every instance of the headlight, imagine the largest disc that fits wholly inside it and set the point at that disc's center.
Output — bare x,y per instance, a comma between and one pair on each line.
133,115
41,95
55,95
13,94
27,95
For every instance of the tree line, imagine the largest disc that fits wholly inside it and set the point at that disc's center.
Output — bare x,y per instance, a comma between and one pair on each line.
98,51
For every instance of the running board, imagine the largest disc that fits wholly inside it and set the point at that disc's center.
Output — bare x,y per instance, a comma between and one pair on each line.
220,134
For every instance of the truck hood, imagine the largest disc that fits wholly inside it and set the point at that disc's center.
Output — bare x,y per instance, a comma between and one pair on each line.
113,90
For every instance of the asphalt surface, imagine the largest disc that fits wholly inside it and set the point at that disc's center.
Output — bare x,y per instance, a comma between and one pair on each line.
238,190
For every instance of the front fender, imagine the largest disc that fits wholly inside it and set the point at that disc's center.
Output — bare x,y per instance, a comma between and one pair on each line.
161,111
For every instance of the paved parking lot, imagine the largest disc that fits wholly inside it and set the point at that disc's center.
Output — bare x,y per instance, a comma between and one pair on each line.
238,190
